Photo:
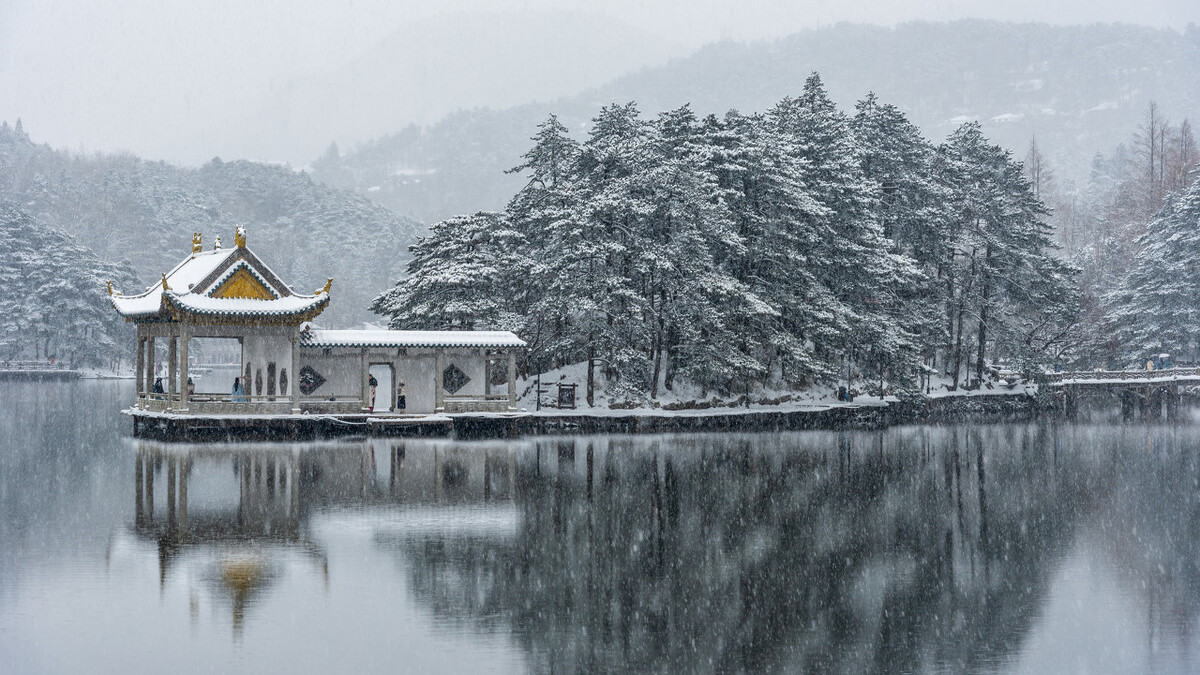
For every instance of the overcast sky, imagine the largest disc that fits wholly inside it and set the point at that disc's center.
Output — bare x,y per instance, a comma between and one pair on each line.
185,81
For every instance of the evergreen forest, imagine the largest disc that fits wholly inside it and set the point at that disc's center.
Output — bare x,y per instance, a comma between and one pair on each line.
777,248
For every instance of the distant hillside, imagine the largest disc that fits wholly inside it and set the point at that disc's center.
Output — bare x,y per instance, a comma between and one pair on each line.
1080,89
55,302
432,66
125,209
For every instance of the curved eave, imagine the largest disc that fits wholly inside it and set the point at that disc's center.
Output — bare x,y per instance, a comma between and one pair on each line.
126,307
177,308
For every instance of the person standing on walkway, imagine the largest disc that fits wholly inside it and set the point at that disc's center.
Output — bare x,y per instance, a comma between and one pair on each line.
374,383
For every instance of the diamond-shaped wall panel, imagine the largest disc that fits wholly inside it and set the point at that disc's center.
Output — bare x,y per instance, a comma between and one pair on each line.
454,379
310,380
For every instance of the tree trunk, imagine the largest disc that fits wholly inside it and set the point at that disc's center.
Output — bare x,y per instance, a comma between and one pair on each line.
657,348
949,321
984,298
958,338
591,376
983,307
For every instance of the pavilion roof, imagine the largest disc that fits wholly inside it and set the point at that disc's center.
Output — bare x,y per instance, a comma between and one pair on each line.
318,338
220,284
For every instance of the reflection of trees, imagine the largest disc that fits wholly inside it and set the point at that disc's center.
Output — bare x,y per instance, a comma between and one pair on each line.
861,551
1151,522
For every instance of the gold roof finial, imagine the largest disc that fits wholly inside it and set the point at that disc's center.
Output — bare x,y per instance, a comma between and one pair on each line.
165,287
328,284
239,237
196,245
109,287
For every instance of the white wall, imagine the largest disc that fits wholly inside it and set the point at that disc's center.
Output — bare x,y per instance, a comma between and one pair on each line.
342,370
416,372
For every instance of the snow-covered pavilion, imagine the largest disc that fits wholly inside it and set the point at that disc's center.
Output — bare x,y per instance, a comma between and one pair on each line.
291,367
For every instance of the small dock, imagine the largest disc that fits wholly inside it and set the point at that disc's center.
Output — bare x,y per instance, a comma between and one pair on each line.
36,370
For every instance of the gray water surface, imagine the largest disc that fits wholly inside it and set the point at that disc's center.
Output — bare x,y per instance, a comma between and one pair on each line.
1013,548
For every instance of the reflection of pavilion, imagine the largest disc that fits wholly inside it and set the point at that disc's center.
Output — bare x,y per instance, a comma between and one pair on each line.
233,515
248,514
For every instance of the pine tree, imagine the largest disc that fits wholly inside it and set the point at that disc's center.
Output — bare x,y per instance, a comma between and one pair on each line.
543,211
1155,307
1001,270
853,259
55,301
457,277
911,210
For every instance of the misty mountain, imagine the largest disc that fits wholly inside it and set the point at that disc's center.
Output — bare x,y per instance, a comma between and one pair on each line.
1079,89
142,215
430,67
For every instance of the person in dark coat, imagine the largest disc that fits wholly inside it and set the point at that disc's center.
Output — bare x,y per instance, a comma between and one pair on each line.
374,383
158,388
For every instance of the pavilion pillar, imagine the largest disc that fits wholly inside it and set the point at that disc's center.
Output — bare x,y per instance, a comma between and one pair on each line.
183,367
139,481
185,464
366,381
149,385
172,463
512,380
139,375
438,398
150,468
172,368
294,379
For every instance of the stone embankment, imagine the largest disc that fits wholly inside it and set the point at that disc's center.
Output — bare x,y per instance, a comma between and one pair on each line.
975,407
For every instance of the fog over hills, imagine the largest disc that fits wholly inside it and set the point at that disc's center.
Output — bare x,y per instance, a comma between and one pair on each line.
433,66
1079,89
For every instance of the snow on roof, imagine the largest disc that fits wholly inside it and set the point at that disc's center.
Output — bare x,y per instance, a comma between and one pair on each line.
198,273
186,274
409,338
203,304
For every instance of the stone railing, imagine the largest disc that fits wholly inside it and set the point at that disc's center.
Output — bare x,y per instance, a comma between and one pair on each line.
218,404
1123,374
336,406
488,403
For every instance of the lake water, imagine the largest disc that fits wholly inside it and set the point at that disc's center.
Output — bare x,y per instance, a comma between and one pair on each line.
1013,548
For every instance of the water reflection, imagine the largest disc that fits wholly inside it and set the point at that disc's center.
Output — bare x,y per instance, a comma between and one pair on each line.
842,553
1005,548
912,550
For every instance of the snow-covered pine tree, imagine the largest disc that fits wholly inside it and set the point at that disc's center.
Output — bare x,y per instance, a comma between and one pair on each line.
1156,308
759,178
911,210
693,299
606,237
852,258
55,301
459,277
1001,257
542,211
